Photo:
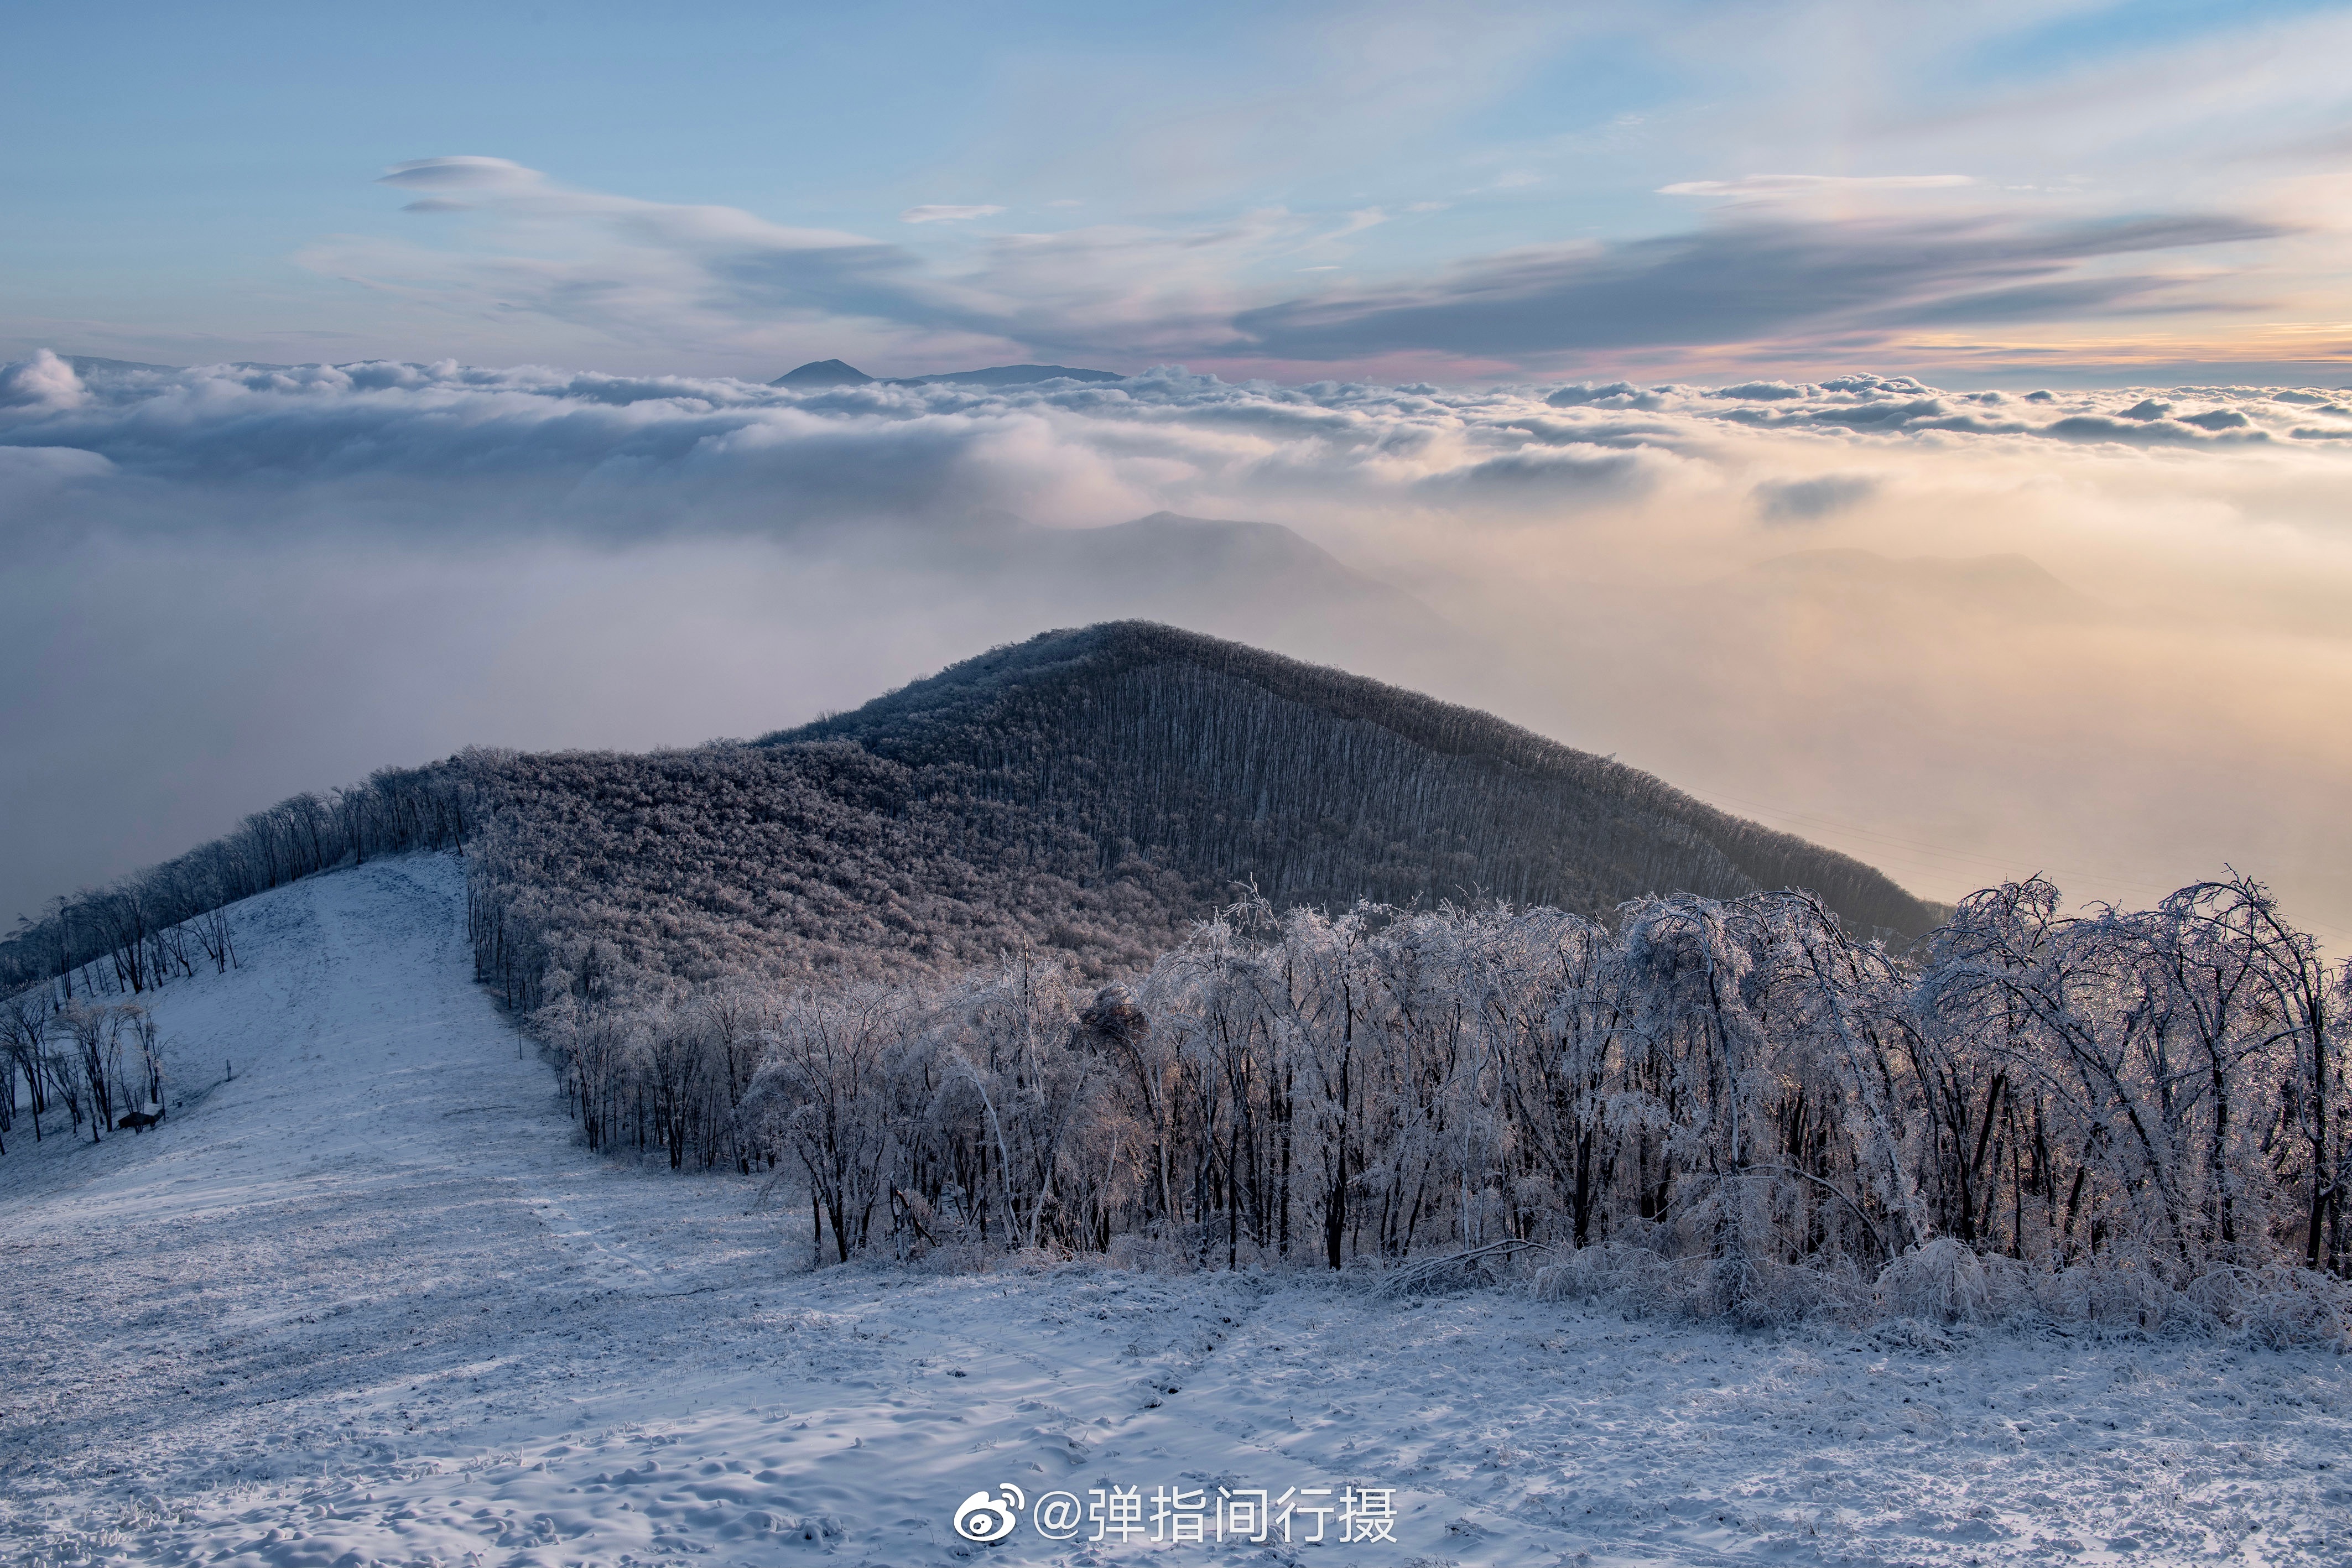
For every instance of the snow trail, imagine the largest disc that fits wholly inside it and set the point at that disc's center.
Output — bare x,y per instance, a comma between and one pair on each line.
367,1300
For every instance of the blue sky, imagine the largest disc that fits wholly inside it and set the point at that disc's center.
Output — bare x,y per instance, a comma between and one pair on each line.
1674,189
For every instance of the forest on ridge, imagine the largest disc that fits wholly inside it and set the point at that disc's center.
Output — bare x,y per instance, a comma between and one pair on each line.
1117,944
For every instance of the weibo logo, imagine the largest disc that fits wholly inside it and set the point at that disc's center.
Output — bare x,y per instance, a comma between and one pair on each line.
990,1516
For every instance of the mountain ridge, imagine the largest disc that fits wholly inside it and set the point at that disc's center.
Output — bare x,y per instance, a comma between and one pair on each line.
1094,792
821,373
1621,825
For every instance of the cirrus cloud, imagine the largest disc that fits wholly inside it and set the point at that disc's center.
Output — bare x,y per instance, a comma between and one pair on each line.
945,214
1780,276
1814,184
1741,282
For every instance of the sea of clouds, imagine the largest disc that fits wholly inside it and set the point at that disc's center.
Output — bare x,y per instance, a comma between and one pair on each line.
1962,634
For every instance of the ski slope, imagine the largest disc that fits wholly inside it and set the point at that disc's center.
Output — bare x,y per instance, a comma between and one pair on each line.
366,1302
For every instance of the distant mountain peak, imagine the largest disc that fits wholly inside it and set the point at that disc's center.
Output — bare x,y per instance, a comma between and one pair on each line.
1011,376
87,365
822,373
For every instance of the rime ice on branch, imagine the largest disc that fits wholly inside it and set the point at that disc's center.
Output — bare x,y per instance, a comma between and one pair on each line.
1740,1092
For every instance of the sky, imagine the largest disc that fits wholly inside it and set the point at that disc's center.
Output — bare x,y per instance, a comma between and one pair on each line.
2085,193
1921,430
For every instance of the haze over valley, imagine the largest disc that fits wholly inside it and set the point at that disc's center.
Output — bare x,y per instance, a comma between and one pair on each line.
1961,638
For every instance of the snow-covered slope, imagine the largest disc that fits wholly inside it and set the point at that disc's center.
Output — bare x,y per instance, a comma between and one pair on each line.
367,1303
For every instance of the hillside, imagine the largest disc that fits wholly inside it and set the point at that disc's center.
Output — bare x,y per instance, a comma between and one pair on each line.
368,1301
1229,765
1091,793
600,870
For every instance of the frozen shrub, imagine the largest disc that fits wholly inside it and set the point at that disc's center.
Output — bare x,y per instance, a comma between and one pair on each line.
1946,1281
1634,1279
2283,1309
2219,1293
2118,1296
1911,1334
1822,1289
1450,1272
2277,1308
959,1257
1151,1252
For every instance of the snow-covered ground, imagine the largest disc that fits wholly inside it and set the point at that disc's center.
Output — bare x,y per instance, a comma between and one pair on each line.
367,1302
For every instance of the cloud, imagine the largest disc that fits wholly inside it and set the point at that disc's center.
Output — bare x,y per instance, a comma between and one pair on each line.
1810,184
946,214
236,580
645,456
1761,391
2063,299
463,173
1810,499
34,475
697,281
44,380
1607,394
1547,478
2133,428
1346,115
690,277
1735,282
